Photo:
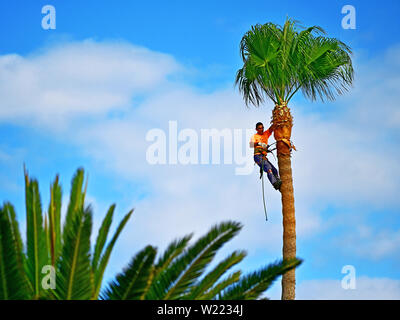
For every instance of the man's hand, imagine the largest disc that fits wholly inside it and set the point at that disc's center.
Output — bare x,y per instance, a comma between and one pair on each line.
271,128
263,145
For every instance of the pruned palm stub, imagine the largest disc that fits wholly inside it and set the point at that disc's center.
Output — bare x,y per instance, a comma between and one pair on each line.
177,273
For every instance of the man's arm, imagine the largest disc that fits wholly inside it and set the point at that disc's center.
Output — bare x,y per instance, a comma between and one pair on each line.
252,143
271,128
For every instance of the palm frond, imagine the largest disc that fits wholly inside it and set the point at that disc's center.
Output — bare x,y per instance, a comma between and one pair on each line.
174,249
98,275
221,286
102,237
76,201
9,211
132,283
13,284
54,214
327,70
74,277
214,275
185,270
37,255
252,285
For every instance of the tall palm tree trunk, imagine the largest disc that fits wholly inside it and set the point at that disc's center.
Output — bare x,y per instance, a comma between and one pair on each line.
282,119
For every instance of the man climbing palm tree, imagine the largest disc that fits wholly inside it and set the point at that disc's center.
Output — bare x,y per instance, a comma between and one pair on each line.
259,142
278,62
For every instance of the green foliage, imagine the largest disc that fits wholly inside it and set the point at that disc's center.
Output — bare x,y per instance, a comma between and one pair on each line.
280,60
54,214
251,286
178,273
76,200
13,284
192,263
75,278
99,271
37,254
133,281
200,288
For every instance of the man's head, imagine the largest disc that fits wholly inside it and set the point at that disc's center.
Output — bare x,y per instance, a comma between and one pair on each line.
259,127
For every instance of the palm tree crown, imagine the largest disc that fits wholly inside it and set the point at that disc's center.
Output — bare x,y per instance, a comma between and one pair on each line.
278,61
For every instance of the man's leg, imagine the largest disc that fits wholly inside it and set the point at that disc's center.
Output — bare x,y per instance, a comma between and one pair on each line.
272,173
258,159
268,170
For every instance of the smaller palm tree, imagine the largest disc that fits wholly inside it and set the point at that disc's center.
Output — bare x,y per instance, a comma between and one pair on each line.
179,273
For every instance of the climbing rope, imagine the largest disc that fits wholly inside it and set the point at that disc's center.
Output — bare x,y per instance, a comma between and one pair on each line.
268,150
263,191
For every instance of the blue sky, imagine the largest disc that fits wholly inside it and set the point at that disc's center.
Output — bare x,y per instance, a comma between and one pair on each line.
87,93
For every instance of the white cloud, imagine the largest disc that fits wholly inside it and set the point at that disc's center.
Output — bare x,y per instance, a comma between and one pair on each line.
78,79
366,289
372,243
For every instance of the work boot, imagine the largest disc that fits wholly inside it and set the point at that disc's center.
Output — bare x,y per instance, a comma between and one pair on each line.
277,184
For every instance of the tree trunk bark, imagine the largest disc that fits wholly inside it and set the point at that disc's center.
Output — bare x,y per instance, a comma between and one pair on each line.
282,119
289,224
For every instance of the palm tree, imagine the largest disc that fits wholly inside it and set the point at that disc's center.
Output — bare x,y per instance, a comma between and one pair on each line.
79,273
277,62
177,274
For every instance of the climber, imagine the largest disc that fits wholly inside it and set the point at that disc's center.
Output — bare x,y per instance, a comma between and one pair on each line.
259,142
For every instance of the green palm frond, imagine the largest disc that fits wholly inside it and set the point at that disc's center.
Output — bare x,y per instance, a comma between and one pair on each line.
99,272
251,286
76,201
13,284
9,211
327,68
102,237
174,249
221,286
74,277
132,283
54,214
209,280
184,271
37,255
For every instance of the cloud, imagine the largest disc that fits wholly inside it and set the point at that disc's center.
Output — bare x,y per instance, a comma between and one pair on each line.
371,243
366,289
78,79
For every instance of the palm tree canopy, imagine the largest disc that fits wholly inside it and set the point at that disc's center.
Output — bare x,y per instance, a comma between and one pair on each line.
278,61
179,273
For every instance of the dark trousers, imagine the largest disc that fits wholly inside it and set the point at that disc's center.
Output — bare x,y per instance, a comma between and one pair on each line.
268,167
